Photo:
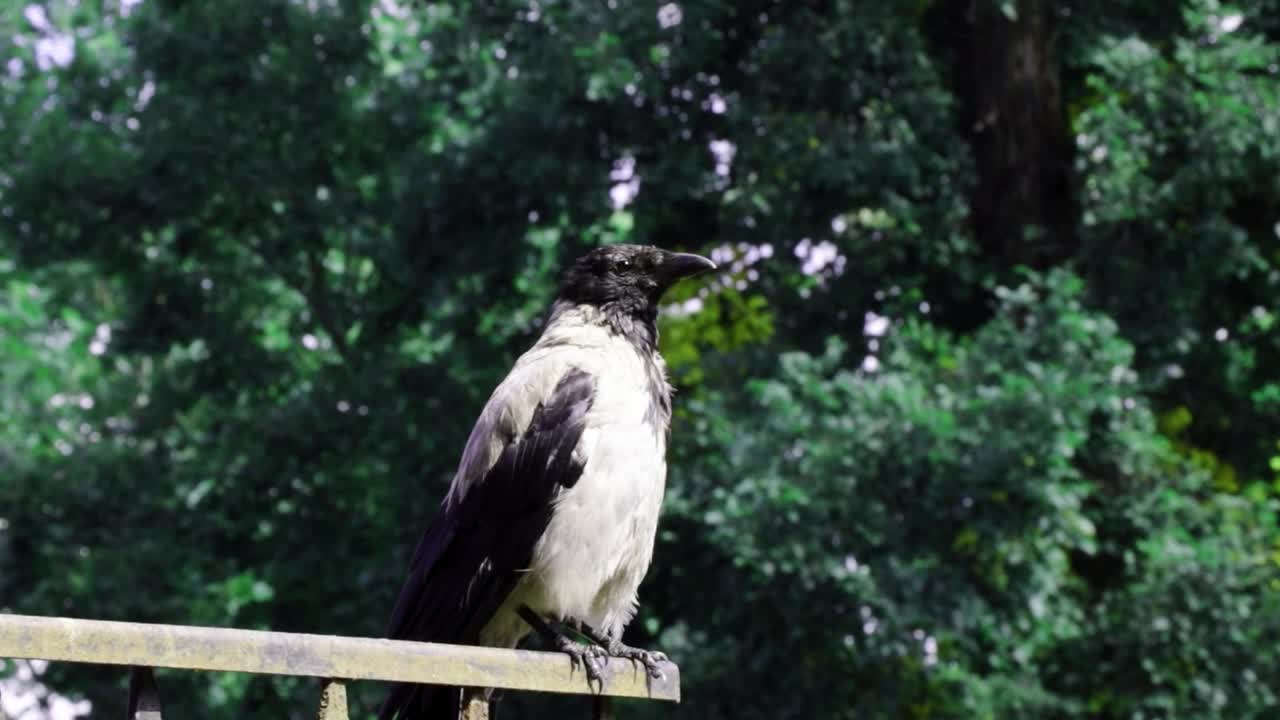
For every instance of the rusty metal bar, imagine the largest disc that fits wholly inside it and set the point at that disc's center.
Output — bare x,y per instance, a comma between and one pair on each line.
323,656
144,695
333,701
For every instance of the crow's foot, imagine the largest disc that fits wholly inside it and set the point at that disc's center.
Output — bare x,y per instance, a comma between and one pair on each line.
591,658
651,659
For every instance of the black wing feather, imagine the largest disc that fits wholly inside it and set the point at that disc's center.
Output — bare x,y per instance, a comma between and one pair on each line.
471,555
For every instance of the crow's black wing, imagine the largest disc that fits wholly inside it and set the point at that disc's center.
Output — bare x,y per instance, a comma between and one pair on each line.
471,555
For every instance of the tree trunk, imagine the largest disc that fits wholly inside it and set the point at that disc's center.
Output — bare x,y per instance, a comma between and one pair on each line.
1004,73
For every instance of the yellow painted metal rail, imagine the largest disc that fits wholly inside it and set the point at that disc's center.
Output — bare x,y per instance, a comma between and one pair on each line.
335,658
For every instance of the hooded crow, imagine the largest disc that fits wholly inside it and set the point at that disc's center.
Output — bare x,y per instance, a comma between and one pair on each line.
553,510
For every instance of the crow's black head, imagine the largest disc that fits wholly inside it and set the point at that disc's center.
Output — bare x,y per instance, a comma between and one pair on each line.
630,277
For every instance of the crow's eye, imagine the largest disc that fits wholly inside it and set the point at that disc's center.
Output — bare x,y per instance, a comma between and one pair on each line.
623,264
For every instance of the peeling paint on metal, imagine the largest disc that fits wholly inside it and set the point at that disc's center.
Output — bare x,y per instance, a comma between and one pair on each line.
475,705
333,701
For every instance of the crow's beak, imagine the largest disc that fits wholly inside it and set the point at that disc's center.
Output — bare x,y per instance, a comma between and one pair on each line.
677,266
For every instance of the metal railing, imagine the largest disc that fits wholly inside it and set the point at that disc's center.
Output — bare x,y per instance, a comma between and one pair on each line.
335,659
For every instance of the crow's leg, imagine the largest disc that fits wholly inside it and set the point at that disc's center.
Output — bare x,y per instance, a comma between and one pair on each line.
651,659
591,658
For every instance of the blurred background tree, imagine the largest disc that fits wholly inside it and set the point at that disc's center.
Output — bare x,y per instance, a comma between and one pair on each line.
981,420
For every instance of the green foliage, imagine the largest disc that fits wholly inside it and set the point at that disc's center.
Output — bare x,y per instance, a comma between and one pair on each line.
261,262
1178,144
944,513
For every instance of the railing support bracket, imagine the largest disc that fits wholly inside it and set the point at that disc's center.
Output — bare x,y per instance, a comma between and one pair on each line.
333,701
144,695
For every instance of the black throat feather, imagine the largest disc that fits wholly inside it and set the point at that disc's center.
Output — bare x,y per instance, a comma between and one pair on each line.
639,325
635,322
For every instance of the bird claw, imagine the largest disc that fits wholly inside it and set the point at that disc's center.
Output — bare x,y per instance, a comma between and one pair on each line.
590,658
651,659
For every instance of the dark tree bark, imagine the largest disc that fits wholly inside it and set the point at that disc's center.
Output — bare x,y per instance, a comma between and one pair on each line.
1005,74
